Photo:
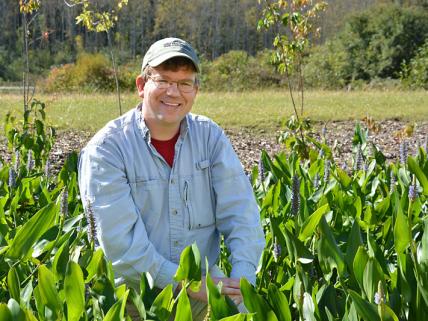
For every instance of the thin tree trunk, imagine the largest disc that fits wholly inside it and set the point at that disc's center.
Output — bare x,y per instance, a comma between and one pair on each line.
115,73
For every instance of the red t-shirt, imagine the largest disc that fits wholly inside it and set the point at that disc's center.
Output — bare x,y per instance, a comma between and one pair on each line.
166,148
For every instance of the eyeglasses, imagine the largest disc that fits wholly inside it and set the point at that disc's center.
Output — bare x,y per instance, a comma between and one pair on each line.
185,86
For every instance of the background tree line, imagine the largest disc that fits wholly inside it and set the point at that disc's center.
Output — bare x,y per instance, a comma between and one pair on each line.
357,42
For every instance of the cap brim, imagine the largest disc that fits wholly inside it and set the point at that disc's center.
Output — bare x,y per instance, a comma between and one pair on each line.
158,60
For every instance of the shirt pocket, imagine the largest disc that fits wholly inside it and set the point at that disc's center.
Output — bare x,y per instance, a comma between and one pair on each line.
149,198
197,195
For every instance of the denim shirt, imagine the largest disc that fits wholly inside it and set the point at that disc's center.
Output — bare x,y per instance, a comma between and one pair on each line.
146,212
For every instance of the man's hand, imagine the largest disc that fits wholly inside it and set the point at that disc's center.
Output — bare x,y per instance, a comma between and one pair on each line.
230,287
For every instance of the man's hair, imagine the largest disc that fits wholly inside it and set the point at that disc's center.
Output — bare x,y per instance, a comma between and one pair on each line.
172,64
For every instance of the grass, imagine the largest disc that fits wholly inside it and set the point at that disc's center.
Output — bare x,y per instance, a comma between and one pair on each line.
259,110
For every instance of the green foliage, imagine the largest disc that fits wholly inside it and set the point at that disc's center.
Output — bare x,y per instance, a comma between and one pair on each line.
364,231
91,72
237,71
355,246
374,44
415,73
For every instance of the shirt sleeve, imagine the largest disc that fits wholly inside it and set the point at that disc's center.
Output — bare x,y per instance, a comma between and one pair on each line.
237,214
120,229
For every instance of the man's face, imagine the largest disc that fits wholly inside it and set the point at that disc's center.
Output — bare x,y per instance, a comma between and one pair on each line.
166,107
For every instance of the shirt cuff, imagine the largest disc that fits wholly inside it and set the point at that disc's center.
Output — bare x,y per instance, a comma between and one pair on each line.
166,275
244,269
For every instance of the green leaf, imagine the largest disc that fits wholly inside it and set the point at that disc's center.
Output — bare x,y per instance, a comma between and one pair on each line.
386,313
401,232
279,303
5,314
138,303
13,284
94,265
220,305
329,253
74,288
312,222
372,275
343,177
59,264
360,262
189,268
162,306
366,310
353,243
115,313
184,310
15,310
27,236
415,169
48,293
255,303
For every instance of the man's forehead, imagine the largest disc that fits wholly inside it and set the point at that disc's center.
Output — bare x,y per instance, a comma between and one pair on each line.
179,70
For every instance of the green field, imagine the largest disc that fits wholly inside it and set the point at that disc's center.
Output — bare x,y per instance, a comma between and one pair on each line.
261,110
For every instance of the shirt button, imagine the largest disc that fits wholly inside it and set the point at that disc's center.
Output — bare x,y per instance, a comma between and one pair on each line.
174,211
172,181
176,243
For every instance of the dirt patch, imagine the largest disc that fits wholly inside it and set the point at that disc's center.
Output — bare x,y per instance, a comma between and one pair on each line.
249,145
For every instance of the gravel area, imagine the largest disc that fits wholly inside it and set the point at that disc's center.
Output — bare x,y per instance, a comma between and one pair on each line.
387,135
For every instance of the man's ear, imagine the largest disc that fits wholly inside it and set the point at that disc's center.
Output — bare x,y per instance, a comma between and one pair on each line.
140,82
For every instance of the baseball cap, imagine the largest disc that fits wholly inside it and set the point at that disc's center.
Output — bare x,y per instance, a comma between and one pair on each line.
168,48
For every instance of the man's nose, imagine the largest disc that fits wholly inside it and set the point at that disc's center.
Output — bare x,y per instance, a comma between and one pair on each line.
173,89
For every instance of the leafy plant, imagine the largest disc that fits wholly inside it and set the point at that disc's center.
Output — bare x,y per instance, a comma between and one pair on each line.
293,21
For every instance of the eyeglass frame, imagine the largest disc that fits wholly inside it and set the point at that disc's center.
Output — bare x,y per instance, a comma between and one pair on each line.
165,84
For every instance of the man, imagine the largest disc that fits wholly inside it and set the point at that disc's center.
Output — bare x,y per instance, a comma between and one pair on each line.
159,178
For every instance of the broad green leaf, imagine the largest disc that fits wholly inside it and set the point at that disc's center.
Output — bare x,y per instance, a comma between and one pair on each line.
117,311
184,310
59,264
401,232
255,303
329,253
74,288
189,268
22,243
48,294
15,310
372,275
114,313
103,289
386,313
415,169
162,306
29,316
359,265
5,314
279,303
220,306
94,265
312,222
353,243
343,177
13,284
366,310
272,199
138,303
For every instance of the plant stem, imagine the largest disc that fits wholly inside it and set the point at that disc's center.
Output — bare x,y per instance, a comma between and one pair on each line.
115,72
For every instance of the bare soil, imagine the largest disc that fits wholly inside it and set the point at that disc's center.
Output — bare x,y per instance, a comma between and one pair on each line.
249,144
